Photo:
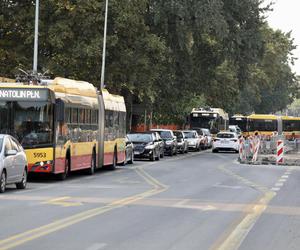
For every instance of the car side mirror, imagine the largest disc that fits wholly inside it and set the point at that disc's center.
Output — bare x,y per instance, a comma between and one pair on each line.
11,152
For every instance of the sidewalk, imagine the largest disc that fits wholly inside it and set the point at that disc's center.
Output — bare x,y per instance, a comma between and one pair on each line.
288,159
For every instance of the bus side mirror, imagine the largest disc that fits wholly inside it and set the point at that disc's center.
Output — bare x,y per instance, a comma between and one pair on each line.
60,110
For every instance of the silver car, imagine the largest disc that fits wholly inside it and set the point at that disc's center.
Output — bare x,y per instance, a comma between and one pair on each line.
13,163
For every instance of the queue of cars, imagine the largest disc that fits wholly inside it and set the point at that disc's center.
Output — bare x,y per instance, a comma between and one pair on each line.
156,143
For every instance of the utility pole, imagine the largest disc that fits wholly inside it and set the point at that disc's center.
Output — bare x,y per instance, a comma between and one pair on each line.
36,33
104,46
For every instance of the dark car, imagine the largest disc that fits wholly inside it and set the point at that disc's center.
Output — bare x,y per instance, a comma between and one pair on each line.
160,142
145,145
182,144
170,140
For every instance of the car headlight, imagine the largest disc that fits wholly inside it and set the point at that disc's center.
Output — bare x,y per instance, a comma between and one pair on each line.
151,146
192,142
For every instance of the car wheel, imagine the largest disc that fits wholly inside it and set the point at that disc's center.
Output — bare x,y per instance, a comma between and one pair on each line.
131,158
162,154
158,156
23,183
152,157
2,182
215,150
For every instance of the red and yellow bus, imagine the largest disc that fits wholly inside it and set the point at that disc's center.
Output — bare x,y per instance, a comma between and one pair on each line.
64,125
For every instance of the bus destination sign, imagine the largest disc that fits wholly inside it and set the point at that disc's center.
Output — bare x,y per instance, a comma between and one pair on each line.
23,94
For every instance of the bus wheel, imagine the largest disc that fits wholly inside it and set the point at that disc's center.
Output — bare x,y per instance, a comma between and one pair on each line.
114,163
65,174
92,169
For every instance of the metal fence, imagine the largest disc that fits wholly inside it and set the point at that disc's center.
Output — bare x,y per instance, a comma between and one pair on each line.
265,150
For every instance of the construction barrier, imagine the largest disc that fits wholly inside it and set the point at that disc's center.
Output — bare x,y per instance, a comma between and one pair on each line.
279,158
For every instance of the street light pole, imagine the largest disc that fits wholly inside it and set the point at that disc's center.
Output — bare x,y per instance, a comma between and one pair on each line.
104,46
36,31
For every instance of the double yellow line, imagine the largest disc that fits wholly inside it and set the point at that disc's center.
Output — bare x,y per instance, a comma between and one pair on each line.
33,234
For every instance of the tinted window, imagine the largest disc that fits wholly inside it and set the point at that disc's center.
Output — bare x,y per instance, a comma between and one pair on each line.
178,134
165,134
225,135
190,134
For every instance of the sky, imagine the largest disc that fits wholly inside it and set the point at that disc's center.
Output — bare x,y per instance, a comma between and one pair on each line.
286,17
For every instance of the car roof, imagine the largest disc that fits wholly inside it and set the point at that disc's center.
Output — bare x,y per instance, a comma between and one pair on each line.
2,136
227,132
189,131
142,132
160,129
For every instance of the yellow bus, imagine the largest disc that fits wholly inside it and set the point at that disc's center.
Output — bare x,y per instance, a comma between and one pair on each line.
215,119
64,125
291,127
264,124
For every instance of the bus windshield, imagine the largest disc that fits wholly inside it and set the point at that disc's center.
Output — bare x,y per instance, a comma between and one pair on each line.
30,122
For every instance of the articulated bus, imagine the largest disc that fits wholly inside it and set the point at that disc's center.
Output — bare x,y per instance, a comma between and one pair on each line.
264,124
215,119
64,125
291,127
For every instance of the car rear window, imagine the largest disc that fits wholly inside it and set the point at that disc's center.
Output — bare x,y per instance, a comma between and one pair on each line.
190,134
225,136
1,143
140,137
165,134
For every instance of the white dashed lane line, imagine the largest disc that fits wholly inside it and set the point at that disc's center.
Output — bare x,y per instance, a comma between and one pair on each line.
281,181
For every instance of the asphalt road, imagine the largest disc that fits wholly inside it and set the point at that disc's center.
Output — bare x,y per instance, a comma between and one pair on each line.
194,201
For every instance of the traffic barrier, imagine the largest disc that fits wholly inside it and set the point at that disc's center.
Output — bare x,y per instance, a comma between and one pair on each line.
256,146
279,158
242,154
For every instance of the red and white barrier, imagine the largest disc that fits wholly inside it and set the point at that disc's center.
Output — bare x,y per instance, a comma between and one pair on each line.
242,153
279,158
256,146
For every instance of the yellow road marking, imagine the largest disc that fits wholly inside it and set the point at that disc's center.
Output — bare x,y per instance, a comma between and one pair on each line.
62,201
33,234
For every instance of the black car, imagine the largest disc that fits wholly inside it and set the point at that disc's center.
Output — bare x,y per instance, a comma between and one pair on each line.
170,140
145,145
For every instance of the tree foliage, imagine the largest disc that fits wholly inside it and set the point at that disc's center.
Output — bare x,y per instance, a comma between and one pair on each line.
169,55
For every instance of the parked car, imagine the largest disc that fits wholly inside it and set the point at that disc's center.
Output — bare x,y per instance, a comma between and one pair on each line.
208,136
13,163
170,141
202,138
160,142
182,143
145,145
226,141
192,139
129,154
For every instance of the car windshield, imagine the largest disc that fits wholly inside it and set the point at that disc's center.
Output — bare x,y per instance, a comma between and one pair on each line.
225,136
30,122
190,134
140,137
165,134
1,142
178,135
